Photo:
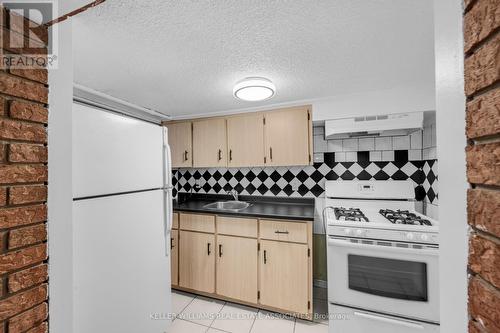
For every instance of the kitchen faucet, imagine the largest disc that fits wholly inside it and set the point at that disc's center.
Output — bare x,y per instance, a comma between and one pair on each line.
234,193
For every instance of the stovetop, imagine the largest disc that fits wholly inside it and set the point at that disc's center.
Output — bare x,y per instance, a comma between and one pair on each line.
397,216
377,210
349,214
404,217
396,223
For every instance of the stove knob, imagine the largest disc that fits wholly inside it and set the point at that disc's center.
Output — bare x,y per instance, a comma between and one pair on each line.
347,231
410,236
424,237
359,232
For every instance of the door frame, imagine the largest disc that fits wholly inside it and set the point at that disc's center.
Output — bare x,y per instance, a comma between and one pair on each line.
451,143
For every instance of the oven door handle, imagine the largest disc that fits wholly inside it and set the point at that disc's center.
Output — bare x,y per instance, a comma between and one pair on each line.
405,323
345,243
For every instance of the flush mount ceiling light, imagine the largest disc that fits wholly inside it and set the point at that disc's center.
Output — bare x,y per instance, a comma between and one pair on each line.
254,89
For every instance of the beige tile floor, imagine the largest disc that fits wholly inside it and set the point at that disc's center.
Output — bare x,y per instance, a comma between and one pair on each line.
201,314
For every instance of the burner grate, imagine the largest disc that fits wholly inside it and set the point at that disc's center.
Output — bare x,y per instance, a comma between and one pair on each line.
350,214
403,217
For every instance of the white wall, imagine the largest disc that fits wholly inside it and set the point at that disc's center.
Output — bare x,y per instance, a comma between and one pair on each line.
450,114
406,98
60,230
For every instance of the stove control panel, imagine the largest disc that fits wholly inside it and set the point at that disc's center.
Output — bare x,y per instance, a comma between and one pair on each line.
355,232
420,237
384,234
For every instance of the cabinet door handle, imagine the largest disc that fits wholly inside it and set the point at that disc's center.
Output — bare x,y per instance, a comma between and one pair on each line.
171,243
185,155
208,249
230,154
271,153
265,256
281,232
220,154
220,250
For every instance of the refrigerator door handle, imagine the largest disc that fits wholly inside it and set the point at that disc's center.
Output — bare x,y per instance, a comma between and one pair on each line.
167,190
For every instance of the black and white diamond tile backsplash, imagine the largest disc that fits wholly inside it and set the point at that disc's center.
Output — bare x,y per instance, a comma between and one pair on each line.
307,181
430,183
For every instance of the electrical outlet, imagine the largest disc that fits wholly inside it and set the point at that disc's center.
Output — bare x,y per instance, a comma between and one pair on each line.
197,183
295,185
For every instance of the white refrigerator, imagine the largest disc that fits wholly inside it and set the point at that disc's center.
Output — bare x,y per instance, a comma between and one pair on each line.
122,214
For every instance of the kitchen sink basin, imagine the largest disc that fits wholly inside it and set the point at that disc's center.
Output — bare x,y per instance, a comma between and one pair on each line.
228,205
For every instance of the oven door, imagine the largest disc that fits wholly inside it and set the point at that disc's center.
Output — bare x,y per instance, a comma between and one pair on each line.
384,277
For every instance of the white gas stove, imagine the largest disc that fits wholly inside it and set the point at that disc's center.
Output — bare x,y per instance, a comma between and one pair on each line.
382,259
383,210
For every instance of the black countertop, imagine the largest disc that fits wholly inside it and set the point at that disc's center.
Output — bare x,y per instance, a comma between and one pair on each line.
264,207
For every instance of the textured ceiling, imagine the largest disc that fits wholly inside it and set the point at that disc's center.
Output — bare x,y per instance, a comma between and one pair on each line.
183,57
68,6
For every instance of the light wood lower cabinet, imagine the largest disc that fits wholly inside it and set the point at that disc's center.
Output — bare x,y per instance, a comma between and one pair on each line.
237,268
197,261
174,257
257,262
284,276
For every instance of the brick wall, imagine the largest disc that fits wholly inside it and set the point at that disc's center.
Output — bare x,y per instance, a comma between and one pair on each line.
23,188
482,74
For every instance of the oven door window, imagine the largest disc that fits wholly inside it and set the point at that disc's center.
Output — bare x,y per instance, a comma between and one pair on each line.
392,278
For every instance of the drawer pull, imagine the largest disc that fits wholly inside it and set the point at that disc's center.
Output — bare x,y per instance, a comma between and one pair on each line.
230,154
185,155
220,250
265,256
220,155
281,232
208,249
171,243
271,153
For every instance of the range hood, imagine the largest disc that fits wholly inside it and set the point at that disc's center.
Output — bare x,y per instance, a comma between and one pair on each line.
381,125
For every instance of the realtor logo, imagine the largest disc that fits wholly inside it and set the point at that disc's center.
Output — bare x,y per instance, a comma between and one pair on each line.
27,43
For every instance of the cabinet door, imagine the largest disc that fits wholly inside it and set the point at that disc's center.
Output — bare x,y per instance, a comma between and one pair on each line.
237,268
175,221
180,141
288,137
209,143
245,140
284,272
197,261
174,257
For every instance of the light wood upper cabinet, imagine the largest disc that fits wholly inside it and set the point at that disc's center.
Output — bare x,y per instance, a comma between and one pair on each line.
174,257
287,136
245,140
280,137
237,268
284,277
209,143
179,139
197,261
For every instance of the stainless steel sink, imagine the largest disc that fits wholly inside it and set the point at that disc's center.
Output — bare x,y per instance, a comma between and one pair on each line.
228,205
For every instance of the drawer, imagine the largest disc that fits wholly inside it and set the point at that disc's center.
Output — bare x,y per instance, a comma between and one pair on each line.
197,222
175,221
284,231
237,226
